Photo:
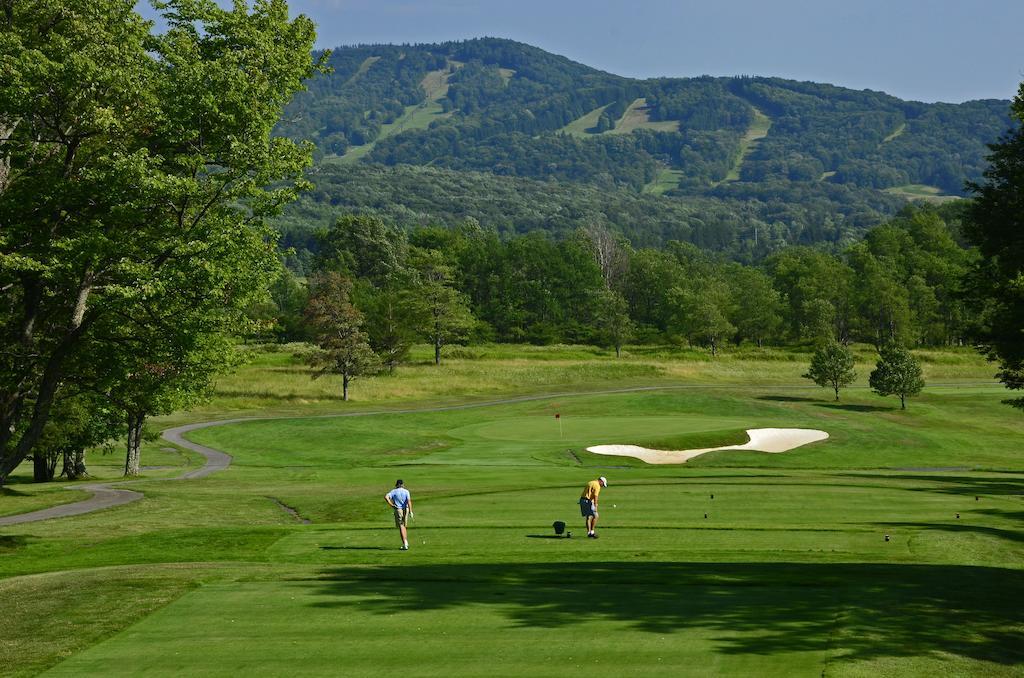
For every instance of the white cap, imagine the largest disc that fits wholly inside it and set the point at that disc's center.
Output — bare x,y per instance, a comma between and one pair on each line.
604,481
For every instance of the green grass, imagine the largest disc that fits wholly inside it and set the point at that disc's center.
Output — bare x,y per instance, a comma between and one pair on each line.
897,132
637,116
930,194
667,180
579,126
737,563
418,116
363,67
758,130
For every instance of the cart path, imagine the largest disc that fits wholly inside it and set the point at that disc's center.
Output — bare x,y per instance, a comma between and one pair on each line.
110,494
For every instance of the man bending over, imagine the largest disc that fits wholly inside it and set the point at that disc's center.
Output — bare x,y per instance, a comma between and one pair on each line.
588,504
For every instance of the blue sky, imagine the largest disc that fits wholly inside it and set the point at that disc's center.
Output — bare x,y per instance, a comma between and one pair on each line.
928,50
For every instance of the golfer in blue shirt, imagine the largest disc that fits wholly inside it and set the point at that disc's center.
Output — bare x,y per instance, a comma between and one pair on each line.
400,500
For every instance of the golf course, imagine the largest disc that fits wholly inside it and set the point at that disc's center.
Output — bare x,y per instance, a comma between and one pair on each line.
891,548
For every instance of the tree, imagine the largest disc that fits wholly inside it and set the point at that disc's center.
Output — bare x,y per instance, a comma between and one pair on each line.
389,318
897,372
832,365
440,311
125,182
757,308
994,223
80,422
337,329
702,312
614,326
609,253
362,247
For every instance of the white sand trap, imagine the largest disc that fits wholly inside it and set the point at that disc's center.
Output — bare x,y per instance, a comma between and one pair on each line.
761,440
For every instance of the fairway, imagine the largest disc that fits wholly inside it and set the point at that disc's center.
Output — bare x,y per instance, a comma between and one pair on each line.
738,563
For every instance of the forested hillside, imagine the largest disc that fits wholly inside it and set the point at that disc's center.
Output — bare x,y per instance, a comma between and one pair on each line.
795,162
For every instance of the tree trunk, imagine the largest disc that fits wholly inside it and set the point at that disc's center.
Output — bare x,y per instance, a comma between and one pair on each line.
837,393
131,463
903,402
74,464
437,352
344,387
714,347
40,465
47,389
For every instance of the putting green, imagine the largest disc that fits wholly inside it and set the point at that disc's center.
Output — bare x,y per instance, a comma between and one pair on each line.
590,429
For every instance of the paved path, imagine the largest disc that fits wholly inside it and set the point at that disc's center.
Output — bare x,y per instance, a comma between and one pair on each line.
107,495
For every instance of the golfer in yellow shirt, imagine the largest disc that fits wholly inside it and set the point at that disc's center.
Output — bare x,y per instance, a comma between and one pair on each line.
588,504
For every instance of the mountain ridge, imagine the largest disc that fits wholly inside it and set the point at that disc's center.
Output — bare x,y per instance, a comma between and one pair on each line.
510,109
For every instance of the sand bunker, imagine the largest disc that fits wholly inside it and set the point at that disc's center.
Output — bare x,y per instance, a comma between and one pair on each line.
761,440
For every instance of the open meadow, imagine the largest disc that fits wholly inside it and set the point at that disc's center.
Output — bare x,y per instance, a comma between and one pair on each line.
892,548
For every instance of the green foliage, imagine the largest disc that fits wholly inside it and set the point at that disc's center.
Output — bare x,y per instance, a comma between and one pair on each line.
614,326
994,225
896,373
134,207
902,281
832,366
337,328
440,313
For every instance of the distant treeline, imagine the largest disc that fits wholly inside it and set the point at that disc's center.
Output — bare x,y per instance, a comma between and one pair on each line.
901,283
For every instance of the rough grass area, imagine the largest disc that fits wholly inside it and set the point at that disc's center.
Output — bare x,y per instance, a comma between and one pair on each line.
363,67
92,605
897,132
579,126
418,116
736,563
638,116
667,180
275,379
930,194
758,130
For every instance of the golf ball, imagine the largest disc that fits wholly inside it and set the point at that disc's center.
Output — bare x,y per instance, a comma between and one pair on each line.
615,505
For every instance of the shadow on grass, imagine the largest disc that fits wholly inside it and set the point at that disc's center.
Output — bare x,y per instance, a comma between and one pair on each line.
265,395
353,548
787,399
11,492
970,486
851,407
962,527
863,611
9,542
